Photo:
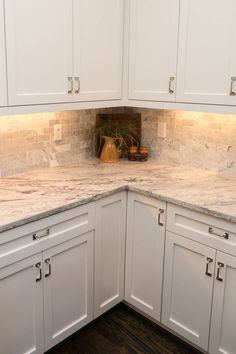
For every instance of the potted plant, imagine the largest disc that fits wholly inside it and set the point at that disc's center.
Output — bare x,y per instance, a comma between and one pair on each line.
114,139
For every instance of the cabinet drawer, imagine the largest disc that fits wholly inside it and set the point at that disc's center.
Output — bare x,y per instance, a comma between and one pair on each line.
73,222
212,231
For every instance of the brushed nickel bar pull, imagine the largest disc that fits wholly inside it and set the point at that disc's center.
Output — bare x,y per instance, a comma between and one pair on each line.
77,79
161,211
171,91
70,79
233,80
220,265
212,232
48,262
209,261
40,234
38,266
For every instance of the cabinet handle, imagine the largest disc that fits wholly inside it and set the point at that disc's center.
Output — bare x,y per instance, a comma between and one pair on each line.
232,92
171,91
212,232
209,261
161,211
220,265
77,79
41,234
38,266
70,79
48,262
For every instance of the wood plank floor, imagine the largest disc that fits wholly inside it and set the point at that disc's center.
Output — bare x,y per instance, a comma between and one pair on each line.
123,331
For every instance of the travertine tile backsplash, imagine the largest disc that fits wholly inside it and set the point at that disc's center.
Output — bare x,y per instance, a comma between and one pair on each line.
26,142
201,140
198,139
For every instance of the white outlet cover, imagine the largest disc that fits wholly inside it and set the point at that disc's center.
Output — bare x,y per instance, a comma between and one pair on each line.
57,132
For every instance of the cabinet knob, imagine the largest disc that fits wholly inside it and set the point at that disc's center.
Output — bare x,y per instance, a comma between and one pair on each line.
215,233
70,91
40,234
161,211
233,80
77,79
39,268
48,262
220,265
171,91
209,261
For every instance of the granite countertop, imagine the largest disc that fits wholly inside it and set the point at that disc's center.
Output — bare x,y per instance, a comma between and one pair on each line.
29,196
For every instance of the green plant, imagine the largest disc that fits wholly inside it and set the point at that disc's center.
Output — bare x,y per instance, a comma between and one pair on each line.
124,133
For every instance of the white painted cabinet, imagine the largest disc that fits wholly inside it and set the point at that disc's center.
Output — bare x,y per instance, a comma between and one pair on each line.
21,307
153,49
145,253
3,84
68,288
110,234
98,49
188,288
39,51
223,323
207,52
64,51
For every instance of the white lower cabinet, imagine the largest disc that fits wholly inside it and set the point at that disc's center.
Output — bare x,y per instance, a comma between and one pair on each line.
109,252
223,323
145,253
59,273
46,297
188,287
21,307
68,288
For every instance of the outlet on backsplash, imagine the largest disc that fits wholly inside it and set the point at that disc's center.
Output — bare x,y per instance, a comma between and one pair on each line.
57,132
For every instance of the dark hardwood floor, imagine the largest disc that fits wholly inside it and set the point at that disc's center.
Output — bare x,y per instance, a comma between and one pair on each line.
123,331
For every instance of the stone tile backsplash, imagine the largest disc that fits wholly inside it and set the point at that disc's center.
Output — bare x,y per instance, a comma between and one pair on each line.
26,142
201,140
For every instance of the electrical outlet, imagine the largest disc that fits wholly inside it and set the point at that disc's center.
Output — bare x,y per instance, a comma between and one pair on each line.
161,130
57,132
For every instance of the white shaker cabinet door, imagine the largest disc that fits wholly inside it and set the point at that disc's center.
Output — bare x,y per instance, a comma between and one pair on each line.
153,49
188,287
223,323
39,51
145,254
207,52
68,288
21,307
3,83
98,49
109,252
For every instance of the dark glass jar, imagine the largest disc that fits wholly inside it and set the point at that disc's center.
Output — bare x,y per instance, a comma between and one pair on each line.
143,150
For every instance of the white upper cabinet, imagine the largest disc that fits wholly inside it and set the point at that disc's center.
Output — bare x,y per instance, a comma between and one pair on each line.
207,52
39,50
153,49
223,322
3,85
98,49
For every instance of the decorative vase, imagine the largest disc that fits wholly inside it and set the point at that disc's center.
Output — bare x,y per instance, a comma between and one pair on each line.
109,153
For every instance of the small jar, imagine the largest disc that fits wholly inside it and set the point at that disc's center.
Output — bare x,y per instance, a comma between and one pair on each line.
133,150
143,150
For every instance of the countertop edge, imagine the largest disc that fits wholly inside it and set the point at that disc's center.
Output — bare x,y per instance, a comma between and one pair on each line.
149,193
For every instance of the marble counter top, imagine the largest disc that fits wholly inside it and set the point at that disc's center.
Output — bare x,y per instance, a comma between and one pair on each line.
30,196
